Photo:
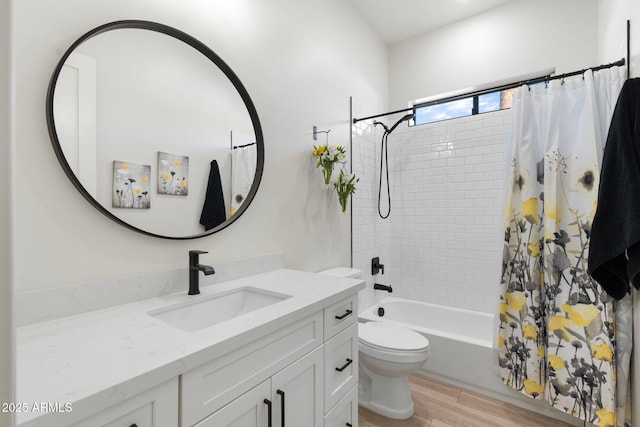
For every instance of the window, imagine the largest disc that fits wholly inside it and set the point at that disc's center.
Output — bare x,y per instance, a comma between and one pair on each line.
462,106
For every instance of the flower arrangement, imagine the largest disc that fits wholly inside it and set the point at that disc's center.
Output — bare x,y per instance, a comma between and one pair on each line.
345,185
328,155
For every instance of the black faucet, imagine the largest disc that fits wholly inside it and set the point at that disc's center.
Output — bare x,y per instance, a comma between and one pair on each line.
194,268
379,287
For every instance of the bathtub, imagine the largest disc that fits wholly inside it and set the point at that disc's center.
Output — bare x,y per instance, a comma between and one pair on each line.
460,348
459,340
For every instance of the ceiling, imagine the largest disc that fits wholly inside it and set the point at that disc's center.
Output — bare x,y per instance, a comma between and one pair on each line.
398,20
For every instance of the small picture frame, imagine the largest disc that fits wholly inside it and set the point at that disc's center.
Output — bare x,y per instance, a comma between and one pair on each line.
131,185
173,174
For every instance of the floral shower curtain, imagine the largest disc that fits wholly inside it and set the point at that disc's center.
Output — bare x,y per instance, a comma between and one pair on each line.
561,338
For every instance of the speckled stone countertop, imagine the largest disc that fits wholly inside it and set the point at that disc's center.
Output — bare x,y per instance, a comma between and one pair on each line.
95,360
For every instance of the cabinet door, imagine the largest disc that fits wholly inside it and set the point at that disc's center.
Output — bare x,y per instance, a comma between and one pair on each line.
249,410
157,407
345,413
341,365
299,389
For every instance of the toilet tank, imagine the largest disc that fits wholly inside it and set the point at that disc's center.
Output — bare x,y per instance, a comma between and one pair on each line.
351,273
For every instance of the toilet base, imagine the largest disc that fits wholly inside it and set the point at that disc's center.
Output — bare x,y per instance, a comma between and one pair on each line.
387,396
387,412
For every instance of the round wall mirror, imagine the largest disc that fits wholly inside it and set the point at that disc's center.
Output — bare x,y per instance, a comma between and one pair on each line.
155,130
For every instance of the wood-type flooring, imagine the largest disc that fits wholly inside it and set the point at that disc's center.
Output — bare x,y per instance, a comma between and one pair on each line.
437,404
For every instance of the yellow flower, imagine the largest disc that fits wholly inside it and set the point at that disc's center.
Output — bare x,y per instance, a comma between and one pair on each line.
182,183
530,210
319,151
125,166
556,362
144,179
503,308
605,418
166,176
176,163
516,300
548,234
138,191
541,352
533,249
552,212
602,352
529,332
532,388
581,314
558,324
500,341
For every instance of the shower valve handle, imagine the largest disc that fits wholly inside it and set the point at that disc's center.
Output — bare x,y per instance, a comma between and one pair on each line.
376,267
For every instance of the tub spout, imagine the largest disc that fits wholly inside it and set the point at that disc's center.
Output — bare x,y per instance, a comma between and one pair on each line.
379,287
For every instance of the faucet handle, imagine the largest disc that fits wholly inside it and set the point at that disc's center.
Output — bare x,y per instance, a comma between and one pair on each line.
196,252
376,267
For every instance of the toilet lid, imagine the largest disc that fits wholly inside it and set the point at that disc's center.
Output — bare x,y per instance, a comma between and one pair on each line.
391,337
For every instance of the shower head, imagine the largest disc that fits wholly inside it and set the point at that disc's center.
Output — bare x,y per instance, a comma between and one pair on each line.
403,119
386,129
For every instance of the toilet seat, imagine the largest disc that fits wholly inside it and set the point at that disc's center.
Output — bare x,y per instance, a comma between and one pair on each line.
392,343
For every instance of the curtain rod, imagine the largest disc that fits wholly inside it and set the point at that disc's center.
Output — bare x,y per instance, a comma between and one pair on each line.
547,78
628,48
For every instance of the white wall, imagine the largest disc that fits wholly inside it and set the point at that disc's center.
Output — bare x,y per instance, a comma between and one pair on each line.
299,60
612,31
447,177
6,217
442,242
518,38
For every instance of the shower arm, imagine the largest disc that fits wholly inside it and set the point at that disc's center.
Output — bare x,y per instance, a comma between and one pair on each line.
407,117
387,130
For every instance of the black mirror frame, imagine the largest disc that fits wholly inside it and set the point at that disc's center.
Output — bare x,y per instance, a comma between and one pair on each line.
213,57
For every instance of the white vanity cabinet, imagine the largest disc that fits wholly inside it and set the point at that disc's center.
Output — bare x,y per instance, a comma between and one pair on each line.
291,397
157,407
341,364
300,374
345,413
249,410
291,356
137,369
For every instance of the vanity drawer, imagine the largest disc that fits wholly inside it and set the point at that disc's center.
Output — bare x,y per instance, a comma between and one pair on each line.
207,388
340,316
340,365
157,407
345,413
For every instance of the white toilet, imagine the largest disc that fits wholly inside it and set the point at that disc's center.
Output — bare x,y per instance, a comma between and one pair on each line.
388,354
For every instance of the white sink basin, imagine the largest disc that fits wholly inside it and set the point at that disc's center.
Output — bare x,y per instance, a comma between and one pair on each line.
207,310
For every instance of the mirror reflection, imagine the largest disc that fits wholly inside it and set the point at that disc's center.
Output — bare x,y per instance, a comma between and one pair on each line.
155,133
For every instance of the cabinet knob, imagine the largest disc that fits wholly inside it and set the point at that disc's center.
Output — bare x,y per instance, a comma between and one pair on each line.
343,367
349,425
134,425
268,403
281,393
348,312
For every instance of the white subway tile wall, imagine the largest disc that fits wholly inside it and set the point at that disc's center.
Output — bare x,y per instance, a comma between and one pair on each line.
443,240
